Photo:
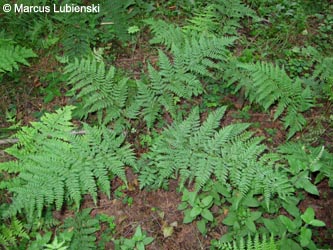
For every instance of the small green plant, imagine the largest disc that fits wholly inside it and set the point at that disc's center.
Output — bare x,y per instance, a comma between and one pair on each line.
138,241
12,55
11,232
110,220
84,228
241,221
55,245
119,194
304,160
195,206
107,233
296,234
243,114
52,86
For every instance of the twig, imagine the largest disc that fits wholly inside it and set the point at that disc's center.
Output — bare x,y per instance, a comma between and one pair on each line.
107,23
15,140
9,141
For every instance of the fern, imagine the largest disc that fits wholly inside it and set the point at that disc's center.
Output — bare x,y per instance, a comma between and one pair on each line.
269,85
255,243
118,17
231,12
204,21
165,33
98,89
10,232
220,18
197,152
12,55
180,78
79,33
54,166
84,229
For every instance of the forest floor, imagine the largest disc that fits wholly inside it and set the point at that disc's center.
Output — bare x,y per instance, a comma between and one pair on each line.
157,210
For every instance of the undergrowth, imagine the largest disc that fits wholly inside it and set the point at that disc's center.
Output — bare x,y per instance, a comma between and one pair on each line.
172,123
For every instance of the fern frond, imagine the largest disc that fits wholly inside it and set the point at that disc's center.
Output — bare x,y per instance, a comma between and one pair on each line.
62,167
195,151
258,242
270,85
165,33
203,21
12,55
11,231
98,89
84,230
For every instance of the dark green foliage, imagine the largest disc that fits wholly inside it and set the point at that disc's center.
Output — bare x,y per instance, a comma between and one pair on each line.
117,18
11,55
54,166
220,17
195,151
79,33
98,89
324,74
169,84
84,229
11,231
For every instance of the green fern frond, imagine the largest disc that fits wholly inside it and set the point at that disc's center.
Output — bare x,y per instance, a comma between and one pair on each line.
84,229
12,55
199,152
165,33
219,18
180,77
255,243
203,21
61,167
11,231
270,85
79,35
98,89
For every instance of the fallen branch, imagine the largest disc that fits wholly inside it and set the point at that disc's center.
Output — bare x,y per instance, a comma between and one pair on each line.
15,140
9,141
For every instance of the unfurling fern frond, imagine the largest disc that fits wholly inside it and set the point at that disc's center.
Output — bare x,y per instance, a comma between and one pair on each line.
12,55
270,85
54,166
197,152
97,88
